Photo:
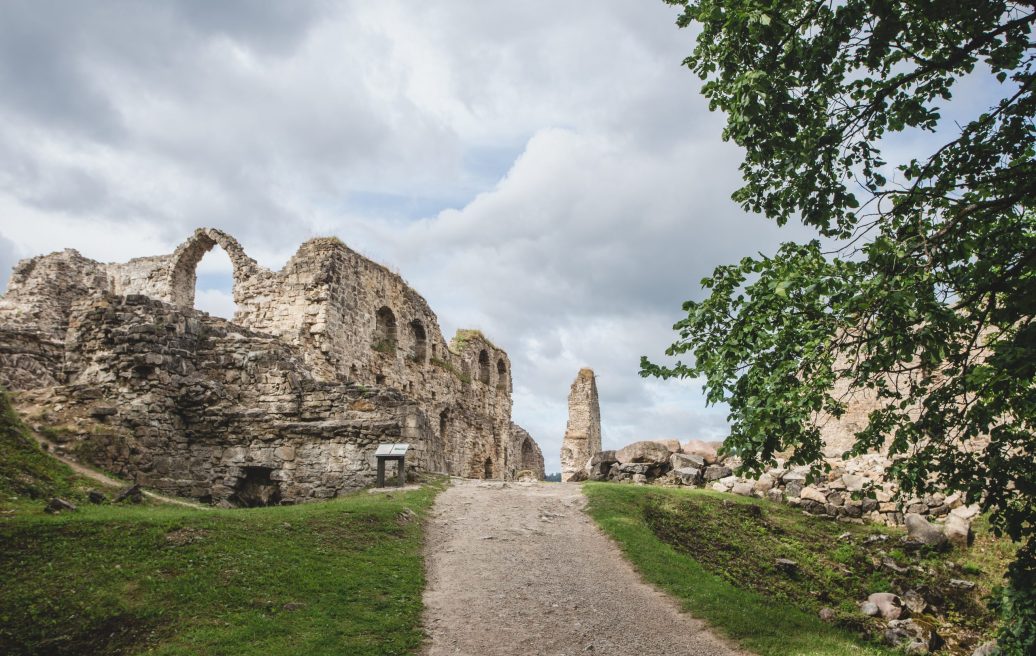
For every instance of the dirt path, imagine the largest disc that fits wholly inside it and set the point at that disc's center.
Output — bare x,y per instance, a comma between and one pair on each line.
518,568
104,479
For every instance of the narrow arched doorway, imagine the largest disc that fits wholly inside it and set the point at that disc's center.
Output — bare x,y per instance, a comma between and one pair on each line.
488,468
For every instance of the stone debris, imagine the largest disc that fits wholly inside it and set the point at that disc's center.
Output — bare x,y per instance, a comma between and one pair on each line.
890,606
58,505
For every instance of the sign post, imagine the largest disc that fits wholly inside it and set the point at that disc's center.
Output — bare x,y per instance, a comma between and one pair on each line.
396,452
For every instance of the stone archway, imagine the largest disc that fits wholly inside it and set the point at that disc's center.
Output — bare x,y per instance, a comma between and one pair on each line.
184,273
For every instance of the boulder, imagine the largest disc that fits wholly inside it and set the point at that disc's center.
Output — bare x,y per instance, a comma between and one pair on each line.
678,460
640,479
603,457
827,614
889,605
57,505
599,471
672,445
854,482
870,608
96,496
914,601
957,530
764,484
688,476
744,488
966,512
921,530
704,449
810,493
716,472
911,637
644,451
577,477
986,649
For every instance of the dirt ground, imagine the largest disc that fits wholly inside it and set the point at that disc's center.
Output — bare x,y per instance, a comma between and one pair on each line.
519,568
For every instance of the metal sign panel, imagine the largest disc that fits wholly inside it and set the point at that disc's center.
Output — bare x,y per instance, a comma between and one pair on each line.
392,449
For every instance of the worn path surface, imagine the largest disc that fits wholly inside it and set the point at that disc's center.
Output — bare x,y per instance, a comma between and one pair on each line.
518,568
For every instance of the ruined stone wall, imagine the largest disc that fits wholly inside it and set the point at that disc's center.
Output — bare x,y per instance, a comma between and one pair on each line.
583,435
194,405
42,289
524,454
347,320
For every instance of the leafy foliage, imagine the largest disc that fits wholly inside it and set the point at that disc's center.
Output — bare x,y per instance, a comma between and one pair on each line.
923,293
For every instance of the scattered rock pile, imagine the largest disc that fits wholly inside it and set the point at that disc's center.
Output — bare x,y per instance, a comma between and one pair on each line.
853,490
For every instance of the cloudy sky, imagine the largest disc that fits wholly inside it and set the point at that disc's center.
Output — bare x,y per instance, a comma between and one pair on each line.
543,171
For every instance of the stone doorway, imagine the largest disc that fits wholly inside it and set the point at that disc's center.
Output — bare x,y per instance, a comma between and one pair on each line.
257,488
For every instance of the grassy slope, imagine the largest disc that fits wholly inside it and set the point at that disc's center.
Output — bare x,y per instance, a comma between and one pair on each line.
719,560
342,577
26,471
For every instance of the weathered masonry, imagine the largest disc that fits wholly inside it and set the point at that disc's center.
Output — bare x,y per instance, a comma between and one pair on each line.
323,359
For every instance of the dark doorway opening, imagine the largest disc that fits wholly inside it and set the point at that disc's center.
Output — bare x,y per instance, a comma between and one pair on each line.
488,468
256,488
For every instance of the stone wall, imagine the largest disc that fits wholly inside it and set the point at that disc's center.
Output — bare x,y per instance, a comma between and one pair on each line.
525,454
331,332
583,434
194,405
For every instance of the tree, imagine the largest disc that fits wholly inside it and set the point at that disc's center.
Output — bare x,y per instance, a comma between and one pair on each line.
921,284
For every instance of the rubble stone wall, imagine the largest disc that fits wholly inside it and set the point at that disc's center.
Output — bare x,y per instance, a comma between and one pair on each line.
192,404
330,331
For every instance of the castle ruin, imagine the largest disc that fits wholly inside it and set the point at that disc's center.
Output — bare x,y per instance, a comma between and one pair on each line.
583,434
323,360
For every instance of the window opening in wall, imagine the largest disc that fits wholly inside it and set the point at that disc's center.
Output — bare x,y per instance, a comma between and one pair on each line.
528,454
483,366
214,284
385,331
379,379
444,424
420,341
488,468
353,372
256,488
501,375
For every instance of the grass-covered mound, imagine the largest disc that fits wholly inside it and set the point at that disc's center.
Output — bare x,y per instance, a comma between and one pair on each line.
341,577
27,472
718,554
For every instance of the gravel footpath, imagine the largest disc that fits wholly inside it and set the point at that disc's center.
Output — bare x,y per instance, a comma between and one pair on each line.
519,568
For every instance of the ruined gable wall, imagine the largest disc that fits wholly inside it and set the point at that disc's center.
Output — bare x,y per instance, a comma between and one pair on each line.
42,290
189,404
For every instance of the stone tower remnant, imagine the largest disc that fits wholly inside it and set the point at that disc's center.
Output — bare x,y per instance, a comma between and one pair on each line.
583,434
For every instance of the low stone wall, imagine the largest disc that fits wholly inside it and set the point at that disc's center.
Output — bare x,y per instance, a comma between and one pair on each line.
854,490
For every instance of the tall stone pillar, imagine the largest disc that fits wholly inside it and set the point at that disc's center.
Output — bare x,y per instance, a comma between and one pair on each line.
583,434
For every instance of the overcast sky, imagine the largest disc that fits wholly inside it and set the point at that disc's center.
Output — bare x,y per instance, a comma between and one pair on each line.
543,171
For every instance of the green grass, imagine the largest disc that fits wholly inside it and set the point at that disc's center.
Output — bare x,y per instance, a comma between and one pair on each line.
716,554
27,473
341,577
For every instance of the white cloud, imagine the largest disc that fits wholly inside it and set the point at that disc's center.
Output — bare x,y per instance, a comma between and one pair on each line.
543,171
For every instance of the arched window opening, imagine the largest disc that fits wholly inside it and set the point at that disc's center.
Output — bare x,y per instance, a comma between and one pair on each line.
420,341
528,455
385,331
214,284
501,376
483,366
444,424
488,467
